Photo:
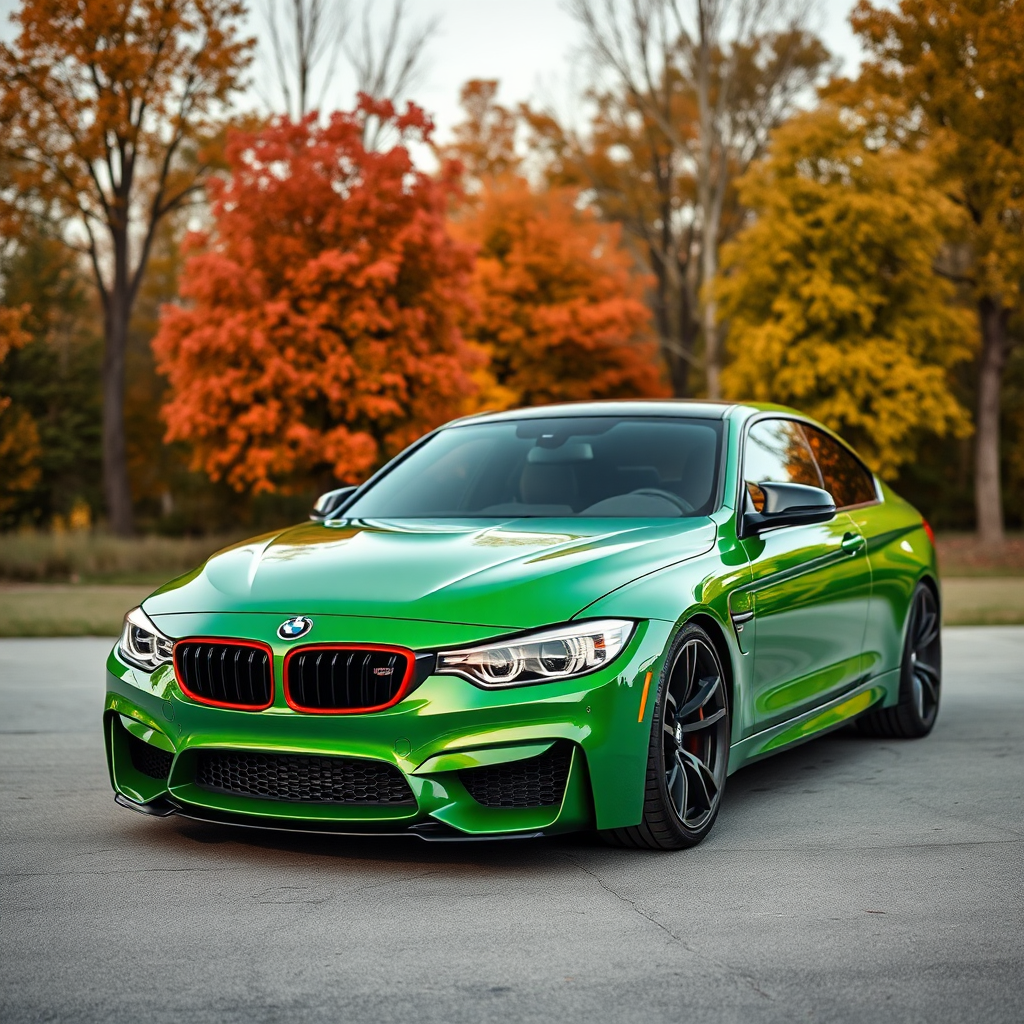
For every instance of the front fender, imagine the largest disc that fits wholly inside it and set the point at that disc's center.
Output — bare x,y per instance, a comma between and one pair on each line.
699,588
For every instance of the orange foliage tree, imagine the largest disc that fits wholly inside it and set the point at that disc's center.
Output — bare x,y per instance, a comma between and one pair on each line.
557,303
321,331
19,438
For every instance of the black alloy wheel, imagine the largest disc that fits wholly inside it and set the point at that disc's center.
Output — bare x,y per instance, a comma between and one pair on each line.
920,675
688,756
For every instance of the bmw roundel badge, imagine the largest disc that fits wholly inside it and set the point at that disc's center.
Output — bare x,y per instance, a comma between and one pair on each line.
292,629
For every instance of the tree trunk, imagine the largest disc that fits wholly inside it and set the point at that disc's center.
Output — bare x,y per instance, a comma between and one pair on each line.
712,359
988,501
116,488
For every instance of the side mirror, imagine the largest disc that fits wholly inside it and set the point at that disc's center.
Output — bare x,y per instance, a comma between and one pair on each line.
327,504
789,505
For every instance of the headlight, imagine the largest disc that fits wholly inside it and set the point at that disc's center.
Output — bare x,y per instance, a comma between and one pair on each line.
561,653
142,644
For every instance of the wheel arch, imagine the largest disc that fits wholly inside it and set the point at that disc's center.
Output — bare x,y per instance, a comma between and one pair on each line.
714,630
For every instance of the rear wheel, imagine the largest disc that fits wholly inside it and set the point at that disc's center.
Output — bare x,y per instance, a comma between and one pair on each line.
920,675
688,755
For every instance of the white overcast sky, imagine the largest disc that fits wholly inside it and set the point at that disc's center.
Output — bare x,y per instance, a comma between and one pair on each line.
530,46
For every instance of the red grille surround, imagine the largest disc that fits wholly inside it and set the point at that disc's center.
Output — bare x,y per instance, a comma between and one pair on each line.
191,649
301,653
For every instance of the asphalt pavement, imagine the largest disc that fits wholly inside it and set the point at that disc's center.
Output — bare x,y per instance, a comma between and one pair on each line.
849,880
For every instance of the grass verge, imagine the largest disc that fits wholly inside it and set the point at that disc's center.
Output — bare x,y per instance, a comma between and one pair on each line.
66,609
986,601
37,557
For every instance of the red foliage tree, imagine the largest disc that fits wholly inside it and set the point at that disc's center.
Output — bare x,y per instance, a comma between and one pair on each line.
321,333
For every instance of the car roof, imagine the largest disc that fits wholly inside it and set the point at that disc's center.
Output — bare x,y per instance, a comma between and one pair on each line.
696,408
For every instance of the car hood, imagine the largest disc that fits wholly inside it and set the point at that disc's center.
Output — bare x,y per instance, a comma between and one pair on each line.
515,575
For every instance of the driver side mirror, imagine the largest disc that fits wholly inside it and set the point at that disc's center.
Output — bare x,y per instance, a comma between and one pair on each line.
328,503
788,505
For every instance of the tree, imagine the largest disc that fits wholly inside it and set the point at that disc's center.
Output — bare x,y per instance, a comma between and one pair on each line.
958,67
307,37
19,438
321,331
558,306
485,142
104,107
692,89
51,379
830,292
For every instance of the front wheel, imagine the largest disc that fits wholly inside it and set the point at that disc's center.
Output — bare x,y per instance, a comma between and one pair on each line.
688,755
920,675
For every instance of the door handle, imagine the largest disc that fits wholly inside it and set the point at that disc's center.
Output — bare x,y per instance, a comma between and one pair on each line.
852,543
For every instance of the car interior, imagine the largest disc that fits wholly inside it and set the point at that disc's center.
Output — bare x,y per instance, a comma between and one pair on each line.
603,467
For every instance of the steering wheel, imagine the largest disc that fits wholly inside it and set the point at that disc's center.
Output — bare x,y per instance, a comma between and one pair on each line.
656,492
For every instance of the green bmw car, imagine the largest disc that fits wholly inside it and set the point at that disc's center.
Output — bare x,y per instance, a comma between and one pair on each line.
573,617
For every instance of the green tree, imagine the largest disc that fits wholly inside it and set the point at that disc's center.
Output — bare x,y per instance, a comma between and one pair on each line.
958,68
830,293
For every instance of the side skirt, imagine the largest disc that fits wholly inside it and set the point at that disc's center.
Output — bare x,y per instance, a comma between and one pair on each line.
816,722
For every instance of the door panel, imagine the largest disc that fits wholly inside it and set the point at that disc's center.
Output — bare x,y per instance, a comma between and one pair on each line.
811,585
811,592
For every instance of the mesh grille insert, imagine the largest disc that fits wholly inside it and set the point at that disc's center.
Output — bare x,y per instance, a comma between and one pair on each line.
302,778
236,674
345,678
149,760
534,782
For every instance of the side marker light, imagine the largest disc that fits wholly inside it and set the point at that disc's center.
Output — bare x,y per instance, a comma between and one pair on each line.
643,696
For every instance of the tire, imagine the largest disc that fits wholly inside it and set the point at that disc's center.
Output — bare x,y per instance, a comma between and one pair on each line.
920,675
688,752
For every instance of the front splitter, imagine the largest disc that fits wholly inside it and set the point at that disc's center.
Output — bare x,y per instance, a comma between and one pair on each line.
431,832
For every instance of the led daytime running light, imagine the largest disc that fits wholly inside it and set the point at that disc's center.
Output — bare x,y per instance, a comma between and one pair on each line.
142,644
562,653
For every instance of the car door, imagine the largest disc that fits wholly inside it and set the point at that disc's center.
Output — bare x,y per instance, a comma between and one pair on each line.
810,586
855,491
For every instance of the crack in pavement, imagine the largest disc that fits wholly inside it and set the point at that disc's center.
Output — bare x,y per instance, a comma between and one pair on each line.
750,981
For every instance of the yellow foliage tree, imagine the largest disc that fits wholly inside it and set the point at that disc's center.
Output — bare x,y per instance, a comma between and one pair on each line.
832,301
957,69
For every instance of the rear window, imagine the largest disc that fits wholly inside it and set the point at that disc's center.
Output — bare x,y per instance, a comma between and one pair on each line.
599,466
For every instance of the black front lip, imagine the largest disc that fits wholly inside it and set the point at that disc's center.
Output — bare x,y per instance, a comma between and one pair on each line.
429,831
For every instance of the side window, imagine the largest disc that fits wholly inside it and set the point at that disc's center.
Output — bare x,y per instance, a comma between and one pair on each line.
777,451
845,478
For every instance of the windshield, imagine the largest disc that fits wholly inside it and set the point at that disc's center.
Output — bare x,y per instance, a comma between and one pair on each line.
599,466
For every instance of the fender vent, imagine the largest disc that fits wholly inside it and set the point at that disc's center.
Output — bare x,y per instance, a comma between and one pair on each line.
533,782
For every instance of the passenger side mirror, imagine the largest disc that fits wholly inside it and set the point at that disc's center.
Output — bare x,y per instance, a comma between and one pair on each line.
788,505
327,504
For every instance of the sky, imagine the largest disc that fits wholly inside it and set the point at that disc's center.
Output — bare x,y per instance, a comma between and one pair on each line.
531,46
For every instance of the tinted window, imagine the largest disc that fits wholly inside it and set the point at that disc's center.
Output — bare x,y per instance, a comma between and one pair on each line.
844,477
777,452
601,466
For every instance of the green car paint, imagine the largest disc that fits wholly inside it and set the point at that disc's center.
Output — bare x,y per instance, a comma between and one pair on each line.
809,622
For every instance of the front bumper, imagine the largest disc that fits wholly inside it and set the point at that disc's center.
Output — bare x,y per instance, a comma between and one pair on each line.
442,730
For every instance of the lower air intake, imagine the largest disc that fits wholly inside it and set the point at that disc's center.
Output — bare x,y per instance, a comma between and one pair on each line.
149,760
302,779
534,782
